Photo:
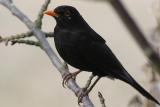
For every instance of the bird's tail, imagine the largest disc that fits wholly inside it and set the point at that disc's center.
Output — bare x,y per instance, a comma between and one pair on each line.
126,77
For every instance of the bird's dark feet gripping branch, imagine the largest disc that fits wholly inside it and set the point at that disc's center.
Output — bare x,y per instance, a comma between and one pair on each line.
69,76
81,47
88,88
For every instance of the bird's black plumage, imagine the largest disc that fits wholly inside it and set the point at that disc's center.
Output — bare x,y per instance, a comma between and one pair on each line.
81,47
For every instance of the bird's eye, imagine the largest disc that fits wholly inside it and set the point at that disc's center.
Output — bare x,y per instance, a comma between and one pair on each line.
67,13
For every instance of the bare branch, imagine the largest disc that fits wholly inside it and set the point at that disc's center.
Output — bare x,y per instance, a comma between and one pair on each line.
21,36
51,54
136,101
137,34
102,100
17,36
49,34
28,42
38,22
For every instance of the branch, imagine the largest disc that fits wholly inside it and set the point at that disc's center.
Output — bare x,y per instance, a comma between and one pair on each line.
21,36
136,101
136,33
28,42
46,47
102,100
38,22
17,36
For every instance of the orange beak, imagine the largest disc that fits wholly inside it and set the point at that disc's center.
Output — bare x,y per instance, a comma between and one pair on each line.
51,13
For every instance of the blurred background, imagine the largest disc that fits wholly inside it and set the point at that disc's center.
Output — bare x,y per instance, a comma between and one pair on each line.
27,77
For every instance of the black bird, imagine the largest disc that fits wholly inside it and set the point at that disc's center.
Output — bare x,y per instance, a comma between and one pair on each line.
81,47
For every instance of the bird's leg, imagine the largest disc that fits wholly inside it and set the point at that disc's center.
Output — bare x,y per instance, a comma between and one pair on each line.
69,76
87,91
91,87
88,82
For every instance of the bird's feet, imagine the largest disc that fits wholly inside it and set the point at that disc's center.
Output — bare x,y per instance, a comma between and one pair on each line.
87,89
81,94
69,76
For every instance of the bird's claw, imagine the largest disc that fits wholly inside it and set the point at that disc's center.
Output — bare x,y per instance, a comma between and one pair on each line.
81,94
80,99
69,76
66,78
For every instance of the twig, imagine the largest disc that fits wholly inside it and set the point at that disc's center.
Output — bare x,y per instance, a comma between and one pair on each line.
46,47
28,42
17,36
21,36
49,34
136,33
102,100
38,22
135,101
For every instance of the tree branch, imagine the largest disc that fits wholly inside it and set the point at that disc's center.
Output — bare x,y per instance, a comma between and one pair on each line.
28,42
17,36
38,22
21,36
46,47
136,33
102,100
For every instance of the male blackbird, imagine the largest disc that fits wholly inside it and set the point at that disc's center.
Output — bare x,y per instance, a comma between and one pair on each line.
81,47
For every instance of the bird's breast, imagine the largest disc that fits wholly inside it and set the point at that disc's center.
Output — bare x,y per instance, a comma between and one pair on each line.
66,45
69,54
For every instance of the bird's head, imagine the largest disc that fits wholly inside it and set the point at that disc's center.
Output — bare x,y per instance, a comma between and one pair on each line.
66,16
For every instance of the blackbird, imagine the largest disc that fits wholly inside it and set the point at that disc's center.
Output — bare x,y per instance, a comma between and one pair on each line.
81,47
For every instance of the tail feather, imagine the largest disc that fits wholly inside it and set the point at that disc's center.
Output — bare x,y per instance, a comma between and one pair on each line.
129,79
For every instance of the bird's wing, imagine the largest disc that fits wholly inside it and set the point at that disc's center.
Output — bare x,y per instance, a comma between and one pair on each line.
98,54
96,37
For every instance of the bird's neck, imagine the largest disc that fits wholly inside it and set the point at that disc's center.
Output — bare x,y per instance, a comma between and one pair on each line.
73,25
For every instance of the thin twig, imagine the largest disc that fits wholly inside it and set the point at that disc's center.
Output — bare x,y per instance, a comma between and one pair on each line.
38,22
102,100
28,42
21,36
135,101
17,36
